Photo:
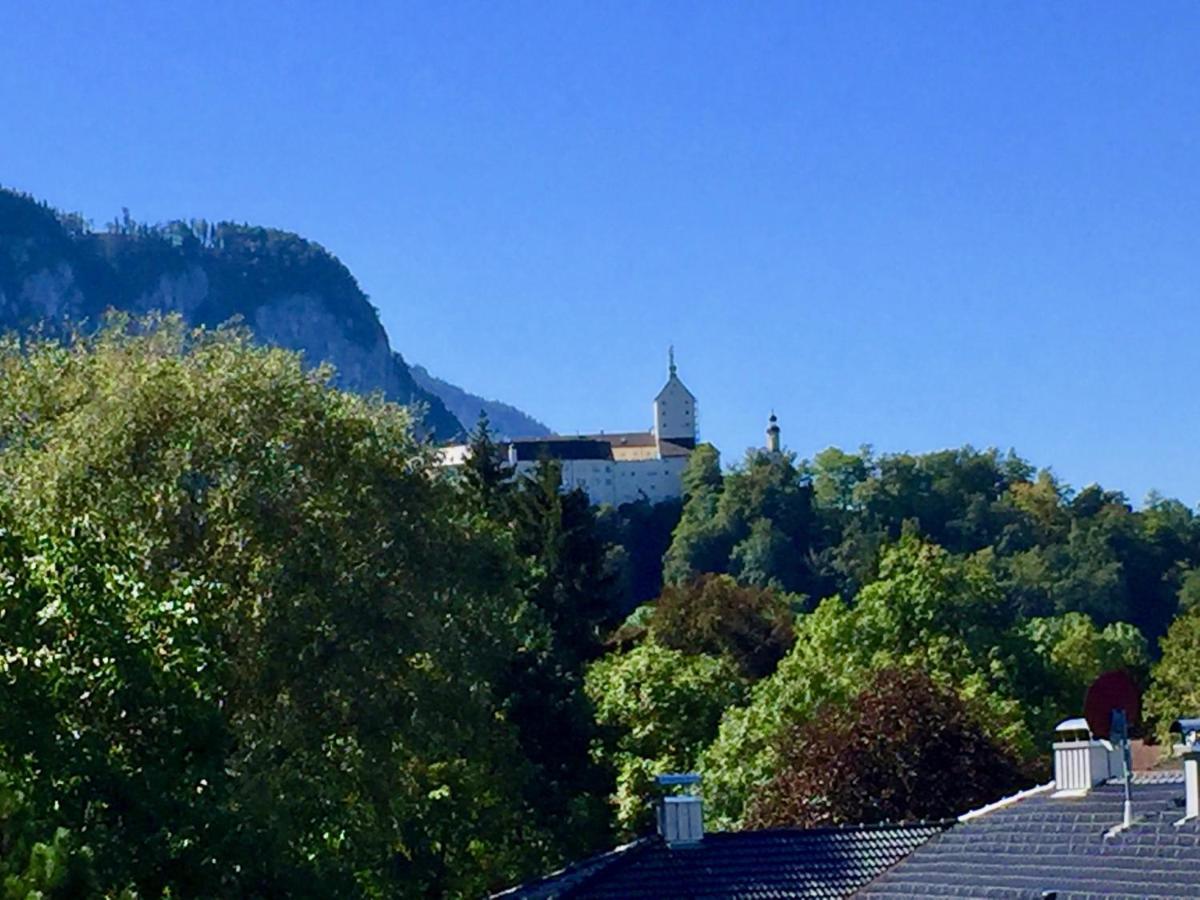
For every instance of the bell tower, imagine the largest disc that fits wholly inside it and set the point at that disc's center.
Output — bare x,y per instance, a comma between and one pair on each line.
675,409
772,434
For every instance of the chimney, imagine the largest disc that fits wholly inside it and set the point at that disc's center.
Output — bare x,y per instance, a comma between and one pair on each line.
681,816
1190,730
1080,761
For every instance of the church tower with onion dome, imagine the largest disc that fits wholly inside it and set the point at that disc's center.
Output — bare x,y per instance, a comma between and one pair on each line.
773,445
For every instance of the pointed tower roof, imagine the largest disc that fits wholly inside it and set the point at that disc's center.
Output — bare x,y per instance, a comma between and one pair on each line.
673,376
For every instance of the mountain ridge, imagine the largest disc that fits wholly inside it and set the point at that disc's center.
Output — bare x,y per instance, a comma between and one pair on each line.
289,291
505,420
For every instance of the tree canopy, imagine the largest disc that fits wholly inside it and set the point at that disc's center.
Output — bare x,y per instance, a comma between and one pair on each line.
1175,691
252,643
256,642
819,528
902,749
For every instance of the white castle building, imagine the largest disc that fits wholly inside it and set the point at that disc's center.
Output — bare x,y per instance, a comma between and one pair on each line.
617,468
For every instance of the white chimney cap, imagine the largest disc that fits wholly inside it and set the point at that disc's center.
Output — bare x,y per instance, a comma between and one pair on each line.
1079,724
672,778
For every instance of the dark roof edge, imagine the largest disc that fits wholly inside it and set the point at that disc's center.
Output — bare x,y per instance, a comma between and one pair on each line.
575,874
942,824
604,871
571,878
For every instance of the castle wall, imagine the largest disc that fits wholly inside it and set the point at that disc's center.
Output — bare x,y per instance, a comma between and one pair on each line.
621,481
616,468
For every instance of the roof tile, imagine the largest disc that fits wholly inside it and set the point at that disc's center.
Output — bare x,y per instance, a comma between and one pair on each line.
752,865
1042,843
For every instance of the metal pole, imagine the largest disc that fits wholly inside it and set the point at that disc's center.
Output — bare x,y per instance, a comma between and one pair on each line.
1128,784
1121,729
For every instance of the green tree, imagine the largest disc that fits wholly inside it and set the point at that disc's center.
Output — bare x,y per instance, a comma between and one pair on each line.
756,524
573,594
697,544
641,534
714,615
570,579
660,708
836,476
261,640
1059,657
486,473
903,748
1174,689
929,610
37,864
1189,589
950,496
1042,508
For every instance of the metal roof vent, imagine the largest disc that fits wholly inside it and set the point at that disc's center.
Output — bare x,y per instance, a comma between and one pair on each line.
1190,730
681,816
1080,761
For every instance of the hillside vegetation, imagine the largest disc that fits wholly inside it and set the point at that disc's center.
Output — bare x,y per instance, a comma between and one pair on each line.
255,643
54,268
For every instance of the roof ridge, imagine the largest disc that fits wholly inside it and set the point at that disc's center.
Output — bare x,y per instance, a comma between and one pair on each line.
1004,801
616,862
841,828
582,871
828,861
1154,776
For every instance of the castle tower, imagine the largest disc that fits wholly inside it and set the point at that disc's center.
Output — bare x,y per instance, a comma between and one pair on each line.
772,434
675,410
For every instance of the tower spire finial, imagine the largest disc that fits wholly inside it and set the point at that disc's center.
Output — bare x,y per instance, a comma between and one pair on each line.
671,360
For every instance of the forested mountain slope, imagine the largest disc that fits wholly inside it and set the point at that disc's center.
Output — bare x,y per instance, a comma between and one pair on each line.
288,290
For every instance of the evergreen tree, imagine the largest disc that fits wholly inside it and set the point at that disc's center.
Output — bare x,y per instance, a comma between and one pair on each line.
487,474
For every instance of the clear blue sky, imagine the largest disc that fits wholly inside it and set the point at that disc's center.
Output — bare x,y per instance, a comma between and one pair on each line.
914,225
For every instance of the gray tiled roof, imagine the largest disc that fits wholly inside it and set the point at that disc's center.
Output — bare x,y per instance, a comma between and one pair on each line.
778,863
536,449
596,446
1045,844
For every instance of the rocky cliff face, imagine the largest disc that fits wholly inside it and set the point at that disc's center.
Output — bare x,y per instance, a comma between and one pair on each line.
289,291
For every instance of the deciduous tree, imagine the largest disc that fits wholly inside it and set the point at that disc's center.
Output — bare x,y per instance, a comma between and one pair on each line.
713,614
251,641
903,748
660,707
